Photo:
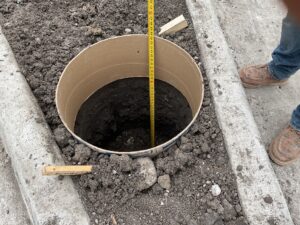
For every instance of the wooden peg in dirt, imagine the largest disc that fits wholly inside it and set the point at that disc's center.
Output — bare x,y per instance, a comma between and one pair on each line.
113,219
174,26
66,170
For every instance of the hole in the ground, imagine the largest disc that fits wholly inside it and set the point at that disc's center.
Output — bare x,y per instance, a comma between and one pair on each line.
116,117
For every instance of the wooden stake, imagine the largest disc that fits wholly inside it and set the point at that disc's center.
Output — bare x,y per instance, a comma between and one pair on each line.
174,26
66,170
113,219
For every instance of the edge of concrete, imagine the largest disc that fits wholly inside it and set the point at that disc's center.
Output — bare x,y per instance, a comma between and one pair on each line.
30,144
13,210
261,197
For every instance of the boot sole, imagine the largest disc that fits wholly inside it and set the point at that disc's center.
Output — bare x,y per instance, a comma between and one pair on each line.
276,160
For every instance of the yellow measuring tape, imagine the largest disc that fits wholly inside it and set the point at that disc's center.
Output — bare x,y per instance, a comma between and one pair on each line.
151,69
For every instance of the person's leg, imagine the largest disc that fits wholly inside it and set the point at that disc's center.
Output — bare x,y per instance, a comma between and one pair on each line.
286,60
286,57
285,148
295,121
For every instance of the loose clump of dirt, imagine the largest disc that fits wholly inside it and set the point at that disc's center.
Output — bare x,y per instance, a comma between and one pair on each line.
45,36
116,117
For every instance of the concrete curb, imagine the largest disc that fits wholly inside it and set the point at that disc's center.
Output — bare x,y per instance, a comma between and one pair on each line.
13,209
29,142
259,190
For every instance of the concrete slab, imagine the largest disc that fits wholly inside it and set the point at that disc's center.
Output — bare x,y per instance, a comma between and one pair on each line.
12,208
256,179
30,144
252,30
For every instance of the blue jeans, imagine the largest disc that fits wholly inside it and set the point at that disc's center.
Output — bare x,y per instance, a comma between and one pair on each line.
286,58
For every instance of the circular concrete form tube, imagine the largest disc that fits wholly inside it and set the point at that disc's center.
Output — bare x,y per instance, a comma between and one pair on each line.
127,57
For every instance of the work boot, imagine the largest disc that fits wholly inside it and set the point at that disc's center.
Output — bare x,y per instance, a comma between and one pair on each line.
257,76
285,148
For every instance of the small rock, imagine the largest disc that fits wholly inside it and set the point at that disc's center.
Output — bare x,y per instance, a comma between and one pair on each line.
214,204
157,189
197,151
128,30
68,151
180,38
165,181
126,163
38,40
123,161
205,147
181,158
229,211
61,136
93,31
82,153
211,218
147,173
34,82
238,208
184,140
186,147
206,102
220,209
72,142
195,129
215,190
219,222
187,193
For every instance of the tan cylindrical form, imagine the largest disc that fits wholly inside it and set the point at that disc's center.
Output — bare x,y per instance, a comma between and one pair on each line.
126,57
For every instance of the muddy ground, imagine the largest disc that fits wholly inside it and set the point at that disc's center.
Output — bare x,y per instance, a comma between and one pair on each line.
44,36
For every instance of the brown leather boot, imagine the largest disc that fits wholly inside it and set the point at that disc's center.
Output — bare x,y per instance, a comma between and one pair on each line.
257,76
285,148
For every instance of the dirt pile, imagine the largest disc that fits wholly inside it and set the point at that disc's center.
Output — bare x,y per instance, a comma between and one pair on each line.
185,175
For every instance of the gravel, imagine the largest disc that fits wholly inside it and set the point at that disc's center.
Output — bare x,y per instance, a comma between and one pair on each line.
147,171
164,181
215,190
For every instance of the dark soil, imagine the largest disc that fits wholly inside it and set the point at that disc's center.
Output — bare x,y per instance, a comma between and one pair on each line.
116,117
44,36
